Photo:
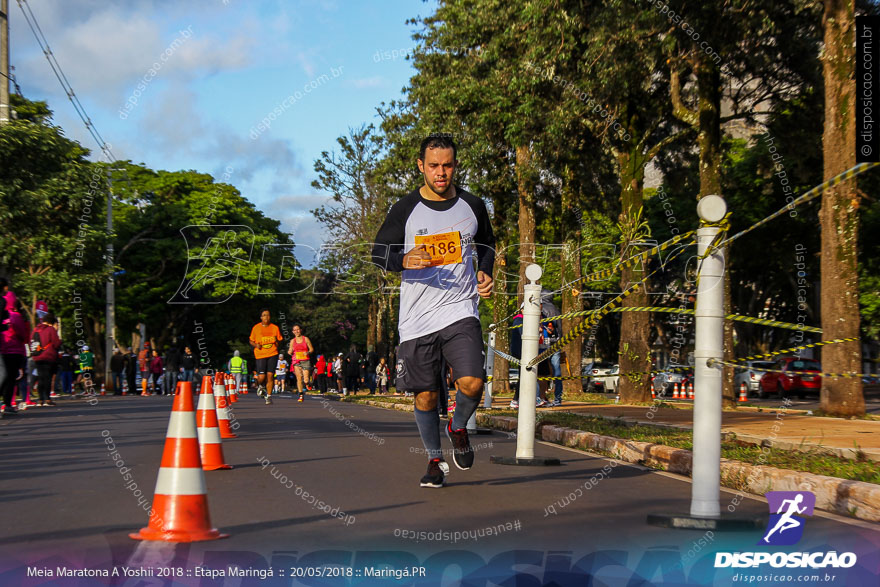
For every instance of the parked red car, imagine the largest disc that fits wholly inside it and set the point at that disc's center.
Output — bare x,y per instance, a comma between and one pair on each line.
796,378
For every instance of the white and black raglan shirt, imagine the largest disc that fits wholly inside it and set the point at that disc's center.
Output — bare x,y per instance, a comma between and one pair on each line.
435,297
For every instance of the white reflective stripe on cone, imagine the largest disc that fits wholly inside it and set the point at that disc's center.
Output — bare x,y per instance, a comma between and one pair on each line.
182,425
209,435
219,389
180,481
206,401
222,413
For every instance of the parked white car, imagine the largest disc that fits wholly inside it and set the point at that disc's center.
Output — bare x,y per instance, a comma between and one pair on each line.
751,377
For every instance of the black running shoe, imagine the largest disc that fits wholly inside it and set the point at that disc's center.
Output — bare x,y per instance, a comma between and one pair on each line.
435,477
463,454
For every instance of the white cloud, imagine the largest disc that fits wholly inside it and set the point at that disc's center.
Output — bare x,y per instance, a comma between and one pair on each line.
106,49
173,124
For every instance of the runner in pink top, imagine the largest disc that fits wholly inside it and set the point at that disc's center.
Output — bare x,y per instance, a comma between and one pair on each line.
300,347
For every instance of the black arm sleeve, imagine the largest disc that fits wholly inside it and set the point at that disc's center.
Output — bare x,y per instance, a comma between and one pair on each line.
387,250
484,240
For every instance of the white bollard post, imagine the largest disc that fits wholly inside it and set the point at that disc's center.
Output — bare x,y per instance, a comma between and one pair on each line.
528,378
709,344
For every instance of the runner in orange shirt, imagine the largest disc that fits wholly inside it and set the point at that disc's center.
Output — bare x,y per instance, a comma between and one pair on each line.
265,337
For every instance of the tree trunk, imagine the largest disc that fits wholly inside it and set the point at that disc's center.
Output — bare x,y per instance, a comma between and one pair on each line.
571,272
635,327
381,309
372,322
839,216
525,185
501,306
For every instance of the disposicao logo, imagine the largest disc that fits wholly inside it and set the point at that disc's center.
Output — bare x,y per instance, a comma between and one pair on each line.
786,528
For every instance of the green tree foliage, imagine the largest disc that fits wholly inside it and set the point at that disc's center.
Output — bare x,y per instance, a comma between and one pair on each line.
51,204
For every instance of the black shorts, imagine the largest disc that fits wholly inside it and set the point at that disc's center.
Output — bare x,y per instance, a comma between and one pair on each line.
267,365
419,359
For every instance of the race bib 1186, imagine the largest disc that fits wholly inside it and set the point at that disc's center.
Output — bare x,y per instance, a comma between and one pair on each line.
444,248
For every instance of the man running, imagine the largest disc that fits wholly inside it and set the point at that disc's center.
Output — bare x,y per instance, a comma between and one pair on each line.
431,235
265,337
300,348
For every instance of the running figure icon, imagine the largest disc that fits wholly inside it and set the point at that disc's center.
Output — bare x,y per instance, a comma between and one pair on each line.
787,522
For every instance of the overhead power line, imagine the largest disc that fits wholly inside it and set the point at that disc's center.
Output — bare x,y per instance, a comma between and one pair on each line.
62,79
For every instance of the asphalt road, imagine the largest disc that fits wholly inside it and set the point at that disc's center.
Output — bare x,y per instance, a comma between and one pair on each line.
65,504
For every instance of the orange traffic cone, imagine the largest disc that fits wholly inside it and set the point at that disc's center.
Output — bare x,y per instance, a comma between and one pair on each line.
743,394
691,390
180,503
102,390
230,389
222,407
675,392
210,446
144,386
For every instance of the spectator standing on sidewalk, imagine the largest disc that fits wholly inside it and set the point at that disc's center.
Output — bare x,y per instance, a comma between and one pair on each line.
352,371
321,374
66,366
172,370
144,366
372,364
237,367
86,369
44,350
382,375
156,368
555,362
188,364
131,367
339,373
117,368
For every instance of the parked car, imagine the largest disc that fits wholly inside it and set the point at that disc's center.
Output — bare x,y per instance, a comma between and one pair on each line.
595,374
608,382
665,381
751,376
796,378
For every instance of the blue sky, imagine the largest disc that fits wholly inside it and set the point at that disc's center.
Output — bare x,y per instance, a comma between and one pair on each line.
224,66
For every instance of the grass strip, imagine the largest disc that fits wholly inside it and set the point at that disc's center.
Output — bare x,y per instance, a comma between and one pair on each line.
817,460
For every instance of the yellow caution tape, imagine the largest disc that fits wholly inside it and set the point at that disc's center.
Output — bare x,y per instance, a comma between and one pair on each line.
816,191
734,317
796,348
712,362
632,261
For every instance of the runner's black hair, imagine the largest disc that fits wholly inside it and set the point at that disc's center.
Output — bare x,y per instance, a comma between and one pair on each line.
437,141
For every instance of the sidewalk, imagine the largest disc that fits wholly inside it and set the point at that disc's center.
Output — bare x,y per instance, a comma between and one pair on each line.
796,431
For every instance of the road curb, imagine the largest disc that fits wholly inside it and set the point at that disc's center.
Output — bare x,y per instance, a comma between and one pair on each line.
840,496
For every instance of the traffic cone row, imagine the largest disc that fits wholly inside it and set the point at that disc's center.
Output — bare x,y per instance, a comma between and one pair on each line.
743,393
180,504
222,405
230,389
210,446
